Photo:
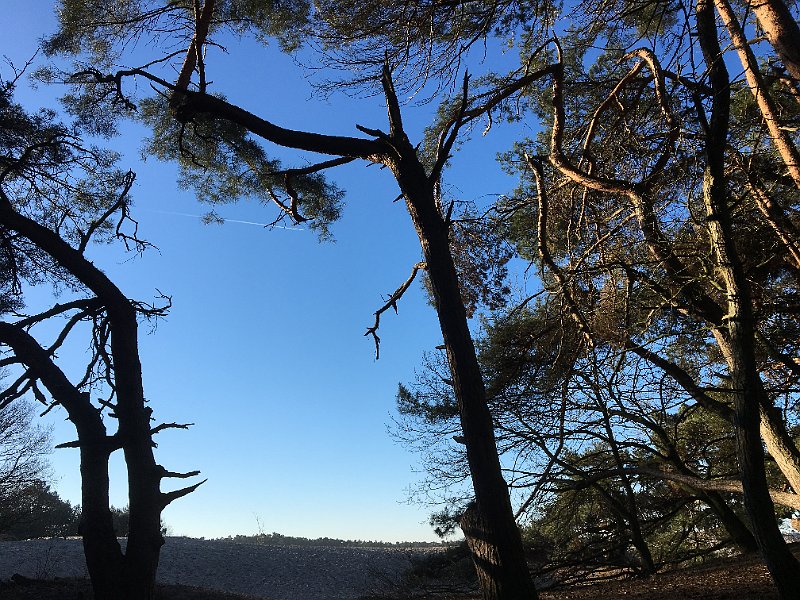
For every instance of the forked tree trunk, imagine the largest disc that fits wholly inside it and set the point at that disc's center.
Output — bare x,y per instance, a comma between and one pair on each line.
114,577
104,560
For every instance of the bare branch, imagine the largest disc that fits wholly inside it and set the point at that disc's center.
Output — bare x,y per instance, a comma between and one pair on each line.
392,303
163,426
170,497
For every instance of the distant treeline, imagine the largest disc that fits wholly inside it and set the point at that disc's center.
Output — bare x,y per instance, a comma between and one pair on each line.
277,539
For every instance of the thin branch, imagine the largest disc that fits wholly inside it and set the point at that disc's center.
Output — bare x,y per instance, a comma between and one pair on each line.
392,303
163,426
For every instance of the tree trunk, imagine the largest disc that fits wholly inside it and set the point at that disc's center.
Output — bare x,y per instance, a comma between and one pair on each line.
783,142
132,576
782,31
104,559
780,445
484,541
736,338
144,479
491,530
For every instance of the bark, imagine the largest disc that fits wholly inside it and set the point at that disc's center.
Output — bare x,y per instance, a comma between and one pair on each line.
194,53
137,578
782,31
737,338
491,529
780,138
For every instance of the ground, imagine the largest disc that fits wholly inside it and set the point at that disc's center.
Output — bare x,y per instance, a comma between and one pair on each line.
739,578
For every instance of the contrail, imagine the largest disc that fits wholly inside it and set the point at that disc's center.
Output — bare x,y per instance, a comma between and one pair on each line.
180,214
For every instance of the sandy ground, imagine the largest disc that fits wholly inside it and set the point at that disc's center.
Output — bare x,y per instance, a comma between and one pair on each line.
276,572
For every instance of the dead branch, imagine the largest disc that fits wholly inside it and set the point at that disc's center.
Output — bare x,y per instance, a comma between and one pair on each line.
170,497
163,426
392,303
175,475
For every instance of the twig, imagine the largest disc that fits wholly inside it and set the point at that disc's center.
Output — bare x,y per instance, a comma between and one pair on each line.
392,303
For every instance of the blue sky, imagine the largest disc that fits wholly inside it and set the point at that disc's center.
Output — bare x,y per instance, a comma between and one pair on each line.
264,348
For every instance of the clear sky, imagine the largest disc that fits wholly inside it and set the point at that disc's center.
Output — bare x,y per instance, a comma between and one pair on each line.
264,350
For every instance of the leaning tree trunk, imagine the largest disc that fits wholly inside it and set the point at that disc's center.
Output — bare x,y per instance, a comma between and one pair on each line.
780,138
736,337
507,572
783,33
489,525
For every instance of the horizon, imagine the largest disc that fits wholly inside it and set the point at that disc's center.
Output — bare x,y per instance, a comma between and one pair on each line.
264,348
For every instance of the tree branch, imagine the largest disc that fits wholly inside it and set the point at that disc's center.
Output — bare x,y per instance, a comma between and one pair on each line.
391,303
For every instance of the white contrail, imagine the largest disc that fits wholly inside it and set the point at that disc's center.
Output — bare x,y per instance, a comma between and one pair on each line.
181,214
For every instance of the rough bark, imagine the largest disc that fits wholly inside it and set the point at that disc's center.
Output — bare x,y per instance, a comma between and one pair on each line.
782,31
780,138
736,338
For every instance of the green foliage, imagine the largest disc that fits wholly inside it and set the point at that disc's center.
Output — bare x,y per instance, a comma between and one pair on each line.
51,176
426,406
37,512
102,29
28,507
223,164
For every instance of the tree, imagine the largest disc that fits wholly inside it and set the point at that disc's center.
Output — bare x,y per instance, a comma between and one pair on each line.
40,512
625,246
597,432
23,448
196,125
626,176
56,196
